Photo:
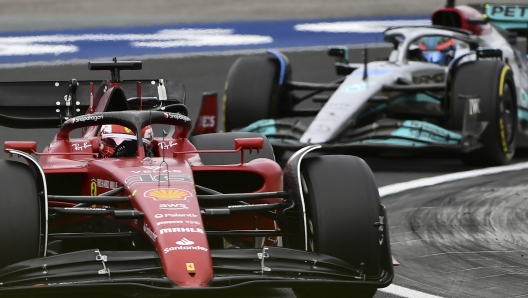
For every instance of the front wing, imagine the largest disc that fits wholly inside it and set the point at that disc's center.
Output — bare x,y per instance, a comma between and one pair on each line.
137,271
382,135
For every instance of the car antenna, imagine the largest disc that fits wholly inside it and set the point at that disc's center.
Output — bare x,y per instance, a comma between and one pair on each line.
365,59
163,160
150,146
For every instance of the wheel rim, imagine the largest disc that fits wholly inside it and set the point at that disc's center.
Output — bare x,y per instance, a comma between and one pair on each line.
507,117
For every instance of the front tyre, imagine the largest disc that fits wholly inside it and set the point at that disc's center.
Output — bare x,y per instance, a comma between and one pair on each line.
20,215
492,81
342,205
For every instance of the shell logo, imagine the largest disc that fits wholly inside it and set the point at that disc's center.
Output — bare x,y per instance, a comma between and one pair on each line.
168,194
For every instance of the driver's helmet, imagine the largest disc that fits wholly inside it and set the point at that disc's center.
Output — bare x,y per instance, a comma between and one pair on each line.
120,141
438,49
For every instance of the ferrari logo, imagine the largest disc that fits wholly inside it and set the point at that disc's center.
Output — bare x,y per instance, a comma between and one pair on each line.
93,188
190,266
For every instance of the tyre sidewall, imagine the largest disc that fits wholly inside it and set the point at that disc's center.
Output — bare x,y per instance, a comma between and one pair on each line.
20,214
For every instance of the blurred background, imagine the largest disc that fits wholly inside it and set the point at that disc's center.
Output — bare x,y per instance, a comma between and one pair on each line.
22,15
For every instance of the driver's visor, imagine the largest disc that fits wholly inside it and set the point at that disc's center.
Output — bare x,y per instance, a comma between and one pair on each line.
434,57
115,139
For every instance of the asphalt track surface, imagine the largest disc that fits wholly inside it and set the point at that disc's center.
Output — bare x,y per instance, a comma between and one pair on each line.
459,239
465,239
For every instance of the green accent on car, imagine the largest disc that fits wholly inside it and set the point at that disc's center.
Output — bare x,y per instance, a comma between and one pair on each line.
344,49
380,107
507,16
280,140
514,13
415,133
391,141
426,132
522,114
524,98
416,97
264,126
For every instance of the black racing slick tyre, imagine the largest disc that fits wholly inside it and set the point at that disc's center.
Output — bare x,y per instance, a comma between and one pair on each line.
226,141
251,91
489,83
342,205
20,215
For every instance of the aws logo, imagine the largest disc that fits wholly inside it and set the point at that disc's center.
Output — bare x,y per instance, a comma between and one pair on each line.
168,194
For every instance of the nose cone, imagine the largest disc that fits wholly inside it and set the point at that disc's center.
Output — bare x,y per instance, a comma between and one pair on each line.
185,256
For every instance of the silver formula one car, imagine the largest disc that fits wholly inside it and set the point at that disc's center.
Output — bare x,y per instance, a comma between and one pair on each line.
458,85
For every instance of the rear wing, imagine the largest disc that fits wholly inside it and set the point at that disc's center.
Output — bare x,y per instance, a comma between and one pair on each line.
47,104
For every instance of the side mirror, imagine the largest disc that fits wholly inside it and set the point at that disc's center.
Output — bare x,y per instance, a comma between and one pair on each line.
340,52
24,146
249,143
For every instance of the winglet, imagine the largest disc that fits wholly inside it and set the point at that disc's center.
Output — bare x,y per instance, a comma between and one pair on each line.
394,262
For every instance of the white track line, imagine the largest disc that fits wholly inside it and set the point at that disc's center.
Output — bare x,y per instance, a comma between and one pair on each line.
405,292
400,187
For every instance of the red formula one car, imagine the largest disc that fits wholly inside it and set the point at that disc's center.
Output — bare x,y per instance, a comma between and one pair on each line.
117,210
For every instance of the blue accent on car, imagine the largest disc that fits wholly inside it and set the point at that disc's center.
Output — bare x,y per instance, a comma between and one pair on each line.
282,65
264,126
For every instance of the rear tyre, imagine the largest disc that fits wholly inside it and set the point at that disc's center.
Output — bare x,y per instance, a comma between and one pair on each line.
492,81
226,141
251,91
342,205
20,215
